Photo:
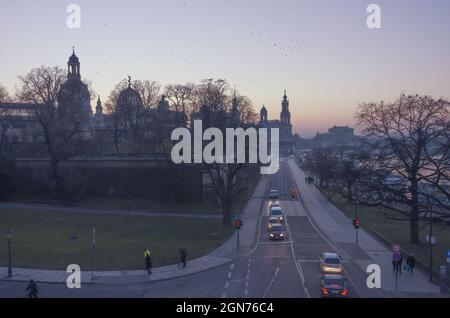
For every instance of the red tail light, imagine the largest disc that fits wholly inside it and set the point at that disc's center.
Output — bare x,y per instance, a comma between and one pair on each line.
324,291
344,292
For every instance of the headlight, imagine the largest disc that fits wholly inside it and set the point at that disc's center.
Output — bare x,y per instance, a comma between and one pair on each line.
281,234
271,235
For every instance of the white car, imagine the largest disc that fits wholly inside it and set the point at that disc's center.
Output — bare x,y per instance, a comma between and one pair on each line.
331,263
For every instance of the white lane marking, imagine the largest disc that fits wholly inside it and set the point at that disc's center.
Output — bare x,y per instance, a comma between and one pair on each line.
271,282
276,243
353,283
298,265
227,284
308,260
316,228
224,295
246,292
232,266
229,274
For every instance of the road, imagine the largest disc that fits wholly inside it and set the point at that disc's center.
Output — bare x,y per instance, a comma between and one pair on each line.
281,269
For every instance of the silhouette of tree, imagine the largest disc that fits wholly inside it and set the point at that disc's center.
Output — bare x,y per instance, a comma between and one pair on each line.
62,141
4,95
400,136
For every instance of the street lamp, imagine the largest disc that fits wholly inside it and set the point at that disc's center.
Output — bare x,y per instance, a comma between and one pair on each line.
9,236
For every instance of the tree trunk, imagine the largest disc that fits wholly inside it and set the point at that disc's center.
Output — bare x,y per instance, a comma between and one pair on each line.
414,228
226,213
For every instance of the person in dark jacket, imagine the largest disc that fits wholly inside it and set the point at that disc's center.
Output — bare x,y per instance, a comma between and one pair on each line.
32,289
183,256
410,263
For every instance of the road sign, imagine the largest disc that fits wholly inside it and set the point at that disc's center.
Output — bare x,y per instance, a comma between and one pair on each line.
433,239
448,256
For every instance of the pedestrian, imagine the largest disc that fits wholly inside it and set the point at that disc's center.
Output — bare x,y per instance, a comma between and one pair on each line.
394,264
183,256
399,264
410,263
32,289
148,262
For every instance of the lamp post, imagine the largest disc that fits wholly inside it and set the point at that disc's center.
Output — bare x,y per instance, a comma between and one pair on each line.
9,236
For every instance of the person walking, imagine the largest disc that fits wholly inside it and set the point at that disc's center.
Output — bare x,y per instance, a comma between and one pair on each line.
399,264
183,256
148,262
410,263
32,289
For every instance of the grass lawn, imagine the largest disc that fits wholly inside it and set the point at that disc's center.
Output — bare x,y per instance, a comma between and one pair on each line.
150,205
398,231
41,239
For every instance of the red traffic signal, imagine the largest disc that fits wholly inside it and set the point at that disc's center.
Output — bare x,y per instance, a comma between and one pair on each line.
237,224
356,223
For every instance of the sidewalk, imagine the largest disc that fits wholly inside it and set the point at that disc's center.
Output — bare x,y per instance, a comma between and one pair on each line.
338,228
222,255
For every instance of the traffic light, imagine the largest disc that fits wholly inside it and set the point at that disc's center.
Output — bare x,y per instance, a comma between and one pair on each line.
237,224
356,223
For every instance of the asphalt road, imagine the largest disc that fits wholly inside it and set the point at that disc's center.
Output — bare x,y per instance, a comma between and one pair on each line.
273,269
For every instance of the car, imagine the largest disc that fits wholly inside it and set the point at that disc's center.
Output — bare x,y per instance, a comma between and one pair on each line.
278,213
274,204
272,221
277,232
331,263
274,194
333,286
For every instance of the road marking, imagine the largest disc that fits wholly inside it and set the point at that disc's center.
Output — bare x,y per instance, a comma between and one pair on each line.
353,283
273,243
224,295
309,260
271,282
232,266
333,244
298,266
227,284
246,292
229,274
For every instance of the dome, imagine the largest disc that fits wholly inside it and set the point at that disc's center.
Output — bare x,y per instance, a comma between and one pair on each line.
129,98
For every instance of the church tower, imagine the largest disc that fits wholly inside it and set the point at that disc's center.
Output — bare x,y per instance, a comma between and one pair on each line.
73,67
285,116
235,116
263,115
99,108
74,100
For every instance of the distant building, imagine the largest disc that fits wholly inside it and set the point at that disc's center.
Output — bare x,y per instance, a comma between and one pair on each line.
336,136
283,124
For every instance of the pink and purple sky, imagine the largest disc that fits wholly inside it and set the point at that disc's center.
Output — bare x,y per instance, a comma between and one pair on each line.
321,51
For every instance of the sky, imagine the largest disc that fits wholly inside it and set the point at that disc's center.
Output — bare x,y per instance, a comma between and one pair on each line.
320,51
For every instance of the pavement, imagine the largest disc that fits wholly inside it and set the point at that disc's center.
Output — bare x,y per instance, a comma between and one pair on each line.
261,268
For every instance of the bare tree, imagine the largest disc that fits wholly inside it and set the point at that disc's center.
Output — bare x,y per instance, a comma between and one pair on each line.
62,140
4,95
399,135
230,180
